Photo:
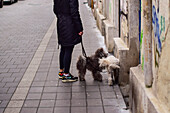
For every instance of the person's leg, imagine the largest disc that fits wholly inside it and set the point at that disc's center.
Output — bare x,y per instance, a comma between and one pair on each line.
67,58
61,59
62,53
67,62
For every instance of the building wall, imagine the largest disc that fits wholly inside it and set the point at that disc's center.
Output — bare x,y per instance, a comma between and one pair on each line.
160,52
124,21
132,35
161,49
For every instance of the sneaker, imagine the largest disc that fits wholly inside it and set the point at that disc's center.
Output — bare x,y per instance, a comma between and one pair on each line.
69,78
60,75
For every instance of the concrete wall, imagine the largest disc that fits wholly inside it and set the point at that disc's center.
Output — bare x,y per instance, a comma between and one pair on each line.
127,48
124,21
161,49
107,18
106,14
157,98
142,99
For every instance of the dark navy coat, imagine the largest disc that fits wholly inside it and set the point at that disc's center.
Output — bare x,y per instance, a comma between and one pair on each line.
68,22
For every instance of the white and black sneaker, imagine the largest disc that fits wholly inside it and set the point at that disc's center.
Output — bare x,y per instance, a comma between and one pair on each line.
69,78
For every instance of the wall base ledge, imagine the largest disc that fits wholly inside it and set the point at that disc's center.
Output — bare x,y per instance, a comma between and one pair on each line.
142,99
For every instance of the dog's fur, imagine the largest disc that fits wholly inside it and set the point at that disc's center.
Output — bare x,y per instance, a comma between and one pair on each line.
111,63
92,64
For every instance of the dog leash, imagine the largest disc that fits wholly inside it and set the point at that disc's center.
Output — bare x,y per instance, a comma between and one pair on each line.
83,50
85,55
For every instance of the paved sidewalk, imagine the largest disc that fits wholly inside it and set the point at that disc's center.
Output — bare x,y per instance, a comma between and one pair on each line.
40,91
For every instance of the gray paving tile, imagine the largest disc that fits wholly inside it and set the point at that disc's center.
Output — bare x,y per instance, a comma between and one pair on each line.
64,96
64,89
28,110
2,85
34,96
62,110
11,79
18,79
11,90
106,88
92,88
11,66
20,74
39,78
62,103
95,109
110,102
3,90
6,75
45,110
94,102
38,83
43,69
51,77
93,95
50,89
78,109
31,103
51,83
14,70
91,82
4,103
4,70
5,96
61,84
78,95
78,89
47,103
78,102
11,84
36,89
109,109
79,83
2,110
49,96
108,95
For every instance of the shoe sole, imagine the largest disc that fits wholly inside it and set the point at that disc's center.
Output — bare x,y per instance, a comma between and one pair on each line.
69,81
60,77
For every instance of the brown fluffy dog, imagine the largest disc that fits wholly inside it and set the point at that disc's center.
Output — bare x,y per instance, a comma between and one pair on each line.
92,64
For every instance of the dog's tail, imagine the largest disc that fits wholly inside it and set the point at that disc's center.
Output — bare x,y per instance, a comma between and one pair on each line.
81,62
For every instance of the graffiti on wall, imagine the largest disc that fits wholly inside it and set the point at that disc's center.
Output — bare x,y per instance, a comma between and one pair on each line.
141,35
158,23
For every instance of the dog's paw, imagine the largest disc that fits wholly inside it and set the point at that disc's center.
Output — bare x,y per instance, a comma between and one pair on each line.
82,79
100,80
110,82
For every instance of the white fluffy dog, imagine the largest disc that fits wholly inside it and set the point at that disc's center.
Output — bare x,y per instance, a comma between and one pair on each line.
110,63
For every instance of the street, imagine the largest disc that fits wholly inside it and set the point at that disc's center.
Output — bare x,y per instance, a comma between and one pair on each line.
29,64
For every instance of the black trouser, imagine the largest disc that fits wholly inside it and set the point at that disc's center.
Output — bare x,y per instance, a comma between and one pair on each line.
65,58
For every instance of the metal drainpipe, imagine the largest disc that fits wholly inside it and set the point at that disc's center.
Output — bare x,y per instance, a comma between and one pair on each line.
119,21
140,31
147,35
